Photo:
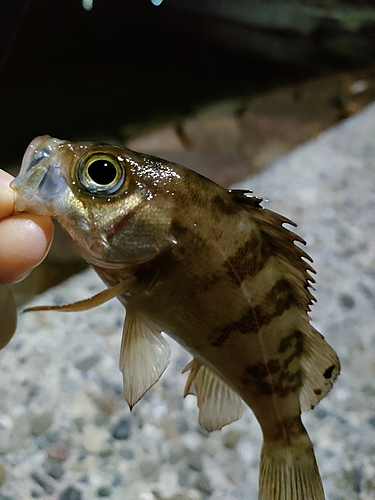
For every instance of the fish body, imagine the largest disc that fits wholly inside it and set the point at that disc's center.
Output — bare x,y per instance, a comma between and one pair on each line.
211,268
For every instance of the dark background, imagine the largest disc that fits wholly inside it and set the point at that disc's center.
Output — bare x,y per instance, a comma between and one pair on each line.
77,74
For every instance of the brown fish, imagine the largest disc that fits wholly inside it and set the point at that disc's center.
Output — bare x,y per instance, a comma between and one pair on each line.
211,268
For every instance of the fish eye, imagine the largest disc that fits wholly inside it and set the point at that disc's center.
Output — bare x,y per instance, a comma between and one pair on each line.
100,174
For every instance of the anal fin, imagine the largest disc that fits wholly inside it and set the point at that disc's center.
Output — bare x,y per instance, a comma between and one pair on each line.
218,403
144,355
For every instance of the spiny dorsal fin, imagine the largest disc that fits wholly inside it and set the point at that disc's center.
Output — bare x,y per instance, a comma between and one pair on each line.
144,355
245,196
218,403
8,315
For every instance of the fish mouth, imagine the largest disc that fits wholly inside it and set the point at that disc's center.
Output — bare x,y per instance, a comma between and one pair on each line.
40,179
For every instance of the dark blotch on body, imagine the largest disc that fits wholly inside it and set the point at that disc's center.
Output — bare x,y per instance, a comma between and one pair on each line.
225,207
294,339
247,324
249,259
281,295
328,373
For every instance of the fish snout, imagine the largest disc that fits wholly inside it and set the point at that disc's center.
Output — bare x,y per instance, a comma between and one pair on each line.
39,180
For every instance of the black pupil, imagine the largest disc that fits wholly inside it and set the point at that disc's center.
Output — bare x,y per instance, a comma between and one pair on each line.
102,172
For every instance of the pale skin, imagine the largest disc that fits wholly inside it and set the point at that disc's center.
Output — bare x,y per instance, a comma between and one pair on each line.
24,238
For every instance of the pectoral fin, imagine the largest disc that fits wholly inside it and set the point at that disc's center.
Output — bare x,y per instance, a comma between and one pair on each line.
144,356
86,304
218,403
8,315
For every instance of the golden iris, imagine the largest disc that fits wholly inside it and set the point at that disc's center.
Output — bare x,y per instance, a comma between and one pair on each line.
100,173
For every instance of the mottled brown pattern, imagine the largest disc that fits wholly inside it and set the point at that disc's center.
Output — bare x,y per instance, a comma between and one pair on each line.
246,325
218,273
278,300
224,206
289,427
295,338
263,375
248,260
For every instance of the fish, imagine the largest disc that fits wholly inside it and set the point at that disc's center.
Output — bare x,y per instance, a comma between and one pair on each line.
209,267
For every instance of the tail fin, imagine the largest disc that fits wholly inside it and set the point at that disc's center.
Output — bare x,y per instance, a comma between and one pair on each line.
289,472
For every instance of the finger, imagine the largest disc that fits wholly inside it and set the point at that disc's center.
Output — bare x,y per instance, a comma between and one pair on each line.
5,178
24,242
6,195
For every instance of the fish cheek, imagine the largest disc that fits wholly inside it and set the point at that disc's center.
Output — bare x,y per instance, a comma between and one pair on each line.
139,235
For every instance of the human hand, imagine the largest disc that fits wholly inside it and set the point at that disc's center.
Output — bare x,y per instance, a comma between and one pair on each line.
24,238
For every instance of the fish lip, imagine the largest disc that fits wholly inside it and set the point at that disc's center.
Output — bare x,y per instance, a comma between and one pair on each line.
39,180
30,195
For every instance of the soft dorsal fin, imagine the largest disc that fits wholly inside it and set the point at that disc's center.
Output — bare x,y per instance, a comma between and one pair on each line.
319,363
218,403
144,355
8,315
320,368
86,304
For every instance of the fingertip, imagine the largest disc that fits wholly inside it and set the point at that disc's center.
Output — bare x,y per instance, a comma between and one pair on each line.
5,178
24,242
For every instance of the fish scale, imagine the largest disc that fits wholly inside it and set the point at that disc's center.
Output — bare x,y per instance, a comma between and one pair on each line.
209,267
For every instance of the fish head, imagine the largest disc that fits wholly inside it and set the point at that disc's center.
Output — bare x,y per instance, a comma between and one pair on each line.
110,200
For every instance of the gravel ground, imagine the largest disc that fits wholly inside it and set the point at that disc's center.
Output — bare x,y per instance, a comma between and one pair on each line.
66,432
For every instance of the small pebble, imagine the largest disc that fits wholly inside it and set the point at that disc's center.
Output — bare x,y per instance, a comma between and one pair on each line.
104,491
176,450
56,471
231,438
88,362
357,479
150,469
43,483
204,484
320,413
41,423
346,301
71,493
118,479
127,453
195,460
59,451
2,475
94,438
122,430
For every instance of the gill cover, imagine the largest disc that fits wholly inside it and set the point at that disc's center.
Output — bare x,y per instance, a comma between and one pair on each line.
102,195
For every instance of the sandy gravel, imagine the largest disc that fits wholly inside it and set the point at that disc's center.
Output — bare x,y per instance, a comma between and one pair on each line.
66,432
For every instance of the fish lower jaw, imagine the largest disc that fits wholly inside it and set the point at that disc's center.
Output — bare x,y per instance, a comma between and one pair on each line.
100,261
24,205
